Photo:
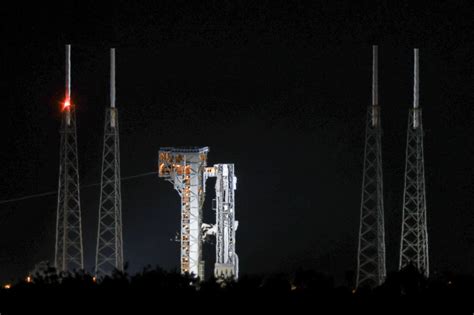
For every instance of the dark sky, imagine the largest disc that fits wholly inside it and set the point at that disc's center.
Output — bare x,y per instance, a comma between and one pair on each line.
281,90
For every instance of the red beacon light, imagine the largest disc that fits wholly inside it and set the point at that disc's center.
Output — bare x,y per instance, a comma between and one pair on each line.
67,104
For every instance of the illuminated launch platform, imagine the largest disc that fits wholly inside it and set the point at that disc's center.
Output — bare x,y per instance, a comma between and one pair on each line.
186,169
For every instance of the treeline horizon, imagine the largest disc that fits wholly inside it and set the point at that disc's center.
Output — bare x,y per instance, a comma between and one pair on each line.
295,291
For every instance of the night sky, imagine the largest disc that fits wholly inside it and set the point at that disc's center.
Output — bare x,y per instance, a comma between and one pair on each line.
280,90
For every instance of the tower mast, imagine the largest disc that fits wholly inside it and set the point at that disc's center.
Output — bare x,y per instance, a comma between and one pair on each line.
68,245
414,237
109,251
184,167
371,248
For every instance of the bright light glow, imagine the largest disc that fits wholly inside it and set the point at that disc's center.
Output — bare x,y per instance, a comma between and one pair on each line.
94,279
67,103
7,286
28,279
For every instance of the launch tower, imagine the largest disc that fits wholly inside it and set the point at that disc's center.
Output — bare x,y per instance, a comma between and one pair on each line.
184,167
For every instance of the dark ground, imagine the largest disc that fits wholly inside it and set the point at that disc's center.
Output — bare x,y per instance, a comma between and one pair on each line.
156,291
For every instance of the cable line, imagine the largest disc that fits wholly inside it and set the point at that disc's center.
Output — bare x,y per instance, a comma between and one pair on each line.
55,192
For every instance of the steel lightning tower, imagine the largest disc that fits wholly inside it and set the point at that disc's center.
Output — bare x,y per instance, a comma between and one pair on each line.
68,248
371,250
185,169
109,252
414,240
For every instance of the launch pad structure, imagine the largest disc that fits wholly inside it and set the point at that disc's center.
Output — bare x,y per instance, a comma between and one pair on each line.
184,168
187,169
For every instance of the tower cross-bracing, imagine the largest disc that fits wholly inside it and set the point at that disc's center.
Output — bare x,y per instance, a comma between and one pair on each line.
109,251
414,237
371,249
68,245
227,261
185,169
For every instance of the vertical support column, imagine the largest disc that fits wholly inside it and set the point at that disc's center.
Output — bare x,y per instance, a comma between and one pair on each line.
112,77
415,90
112,88
67,102
375,87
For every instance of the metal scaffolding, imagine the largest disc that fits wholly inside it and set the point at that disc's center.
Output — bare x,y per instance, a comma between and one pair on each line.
185,169
371,249
109,251
68,245
414,237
